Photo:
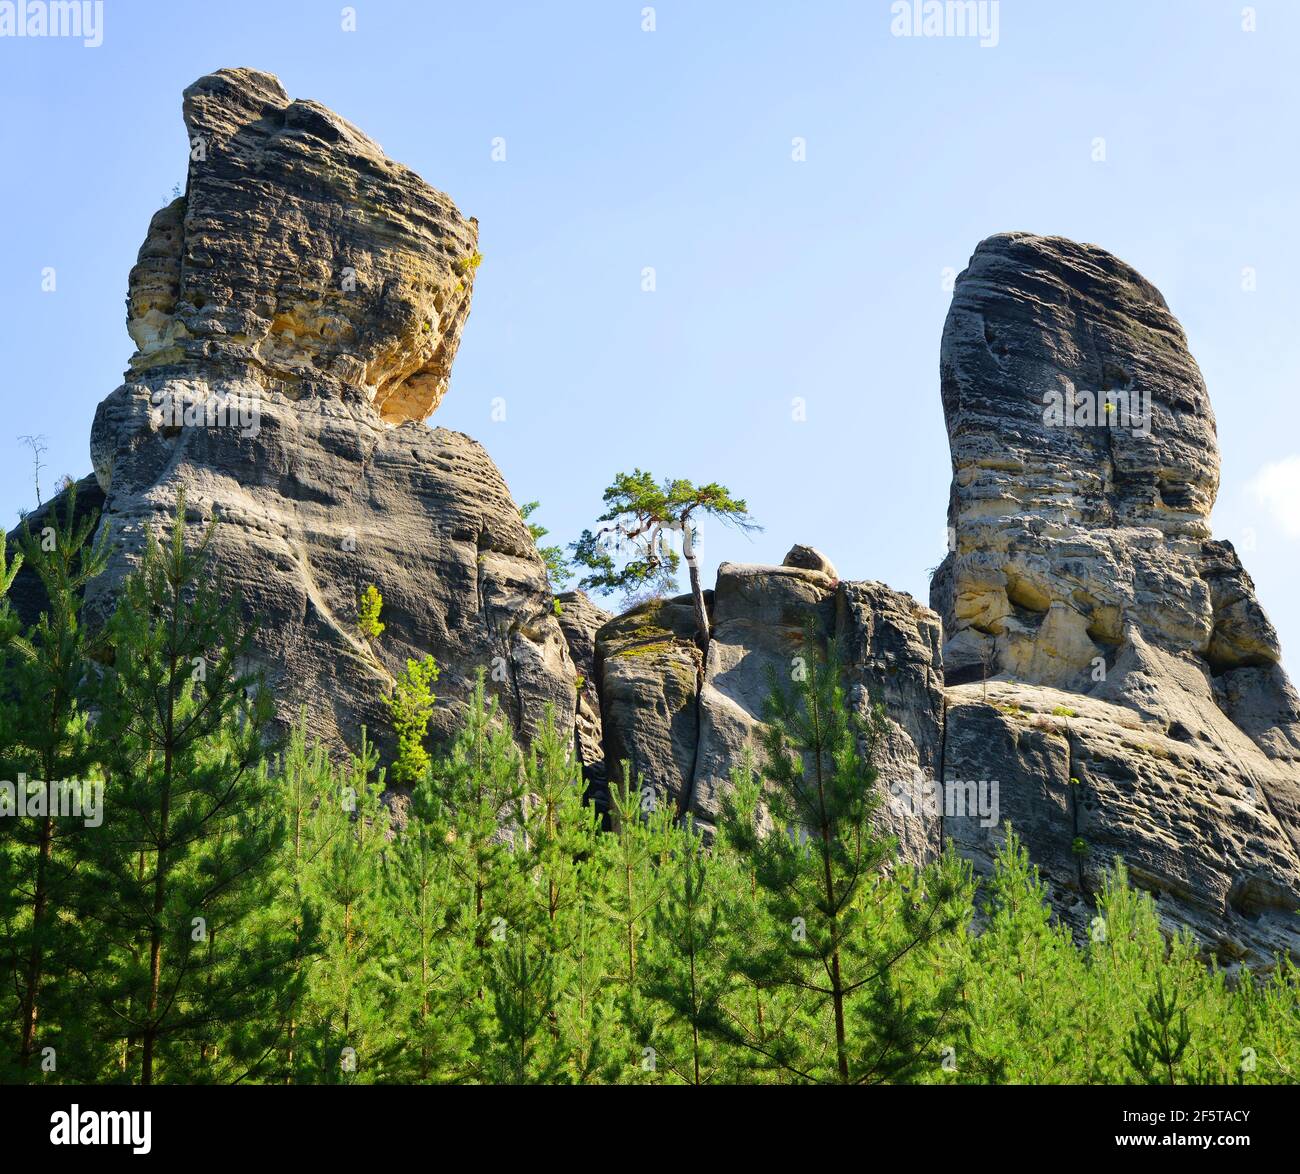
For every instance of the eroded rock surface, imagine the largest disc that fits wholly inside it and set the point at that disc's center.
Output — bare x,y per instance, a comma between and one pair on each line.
685,723
1082,573
580,620
296,314
648,667
1085,781
301,256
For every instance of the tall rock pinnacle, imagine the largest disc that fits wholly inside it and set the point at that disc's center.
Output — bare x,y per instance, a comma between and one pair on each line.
296,314
1082,579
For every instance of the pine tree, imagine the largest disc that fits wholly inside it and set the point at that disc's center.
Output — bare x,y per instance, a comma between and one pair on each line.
192,833
310,791
553,1018
431,995
853,919
755,1014
1159,1039
10,625
630,860
590,1027
49,758
523,984
685,969
1020,1016
478,782
412,708
345,1033
369,608
640,515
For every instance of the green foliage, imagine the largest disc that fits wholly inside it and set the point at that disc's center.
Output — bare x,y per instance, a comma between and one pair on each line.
412,708
631,552
558,570
469,264
191,834
849,928
369,608
344,1017
1126,1007
480,926
686,971
1157,1043
45,737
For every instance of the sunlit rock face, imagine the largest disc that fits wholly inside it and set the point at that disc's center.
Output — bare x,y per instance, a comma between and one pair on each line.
301,256
1082,565
682,721
1084,463
296,314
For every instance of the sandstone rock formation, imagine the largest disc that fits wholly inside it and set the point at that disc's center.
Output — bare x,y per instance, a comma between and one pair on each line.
580,620
647,669
296,314
1129,649
1108,682
1095,663
301,257
683,721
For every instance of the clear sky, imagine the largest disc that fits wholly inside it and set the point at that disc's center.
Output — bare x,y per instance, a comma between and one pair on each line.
821,279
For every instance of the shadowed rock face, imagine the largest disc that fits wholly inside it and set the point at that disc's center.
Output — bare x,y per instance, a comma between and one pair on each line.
296,314
27,595
580,620
1081,566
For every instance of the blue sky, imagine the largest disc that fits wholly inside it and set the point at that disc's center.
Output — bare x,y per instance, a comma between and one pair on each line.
776,279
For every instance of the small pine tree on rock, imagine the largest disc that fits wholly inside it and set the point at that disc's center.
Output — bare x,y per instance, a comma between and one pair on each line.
641,515
369,608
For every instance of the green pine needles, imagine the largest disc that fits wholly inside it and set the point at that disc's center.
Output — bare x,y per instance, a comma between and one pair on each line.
234,909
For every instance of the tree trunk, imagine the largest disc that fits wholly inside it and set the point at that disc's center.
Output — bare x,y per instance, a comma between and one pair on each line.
697,593
31,995
160,864
828,882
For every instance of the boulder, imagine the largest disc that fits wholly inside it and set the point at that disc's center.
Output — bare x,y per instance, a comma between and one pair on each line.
807,558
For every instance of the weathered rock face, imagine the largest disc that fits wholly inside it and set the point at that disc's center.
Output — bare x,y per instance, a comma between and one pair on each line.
648,668
1084,470
684,724
301,257
296,314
